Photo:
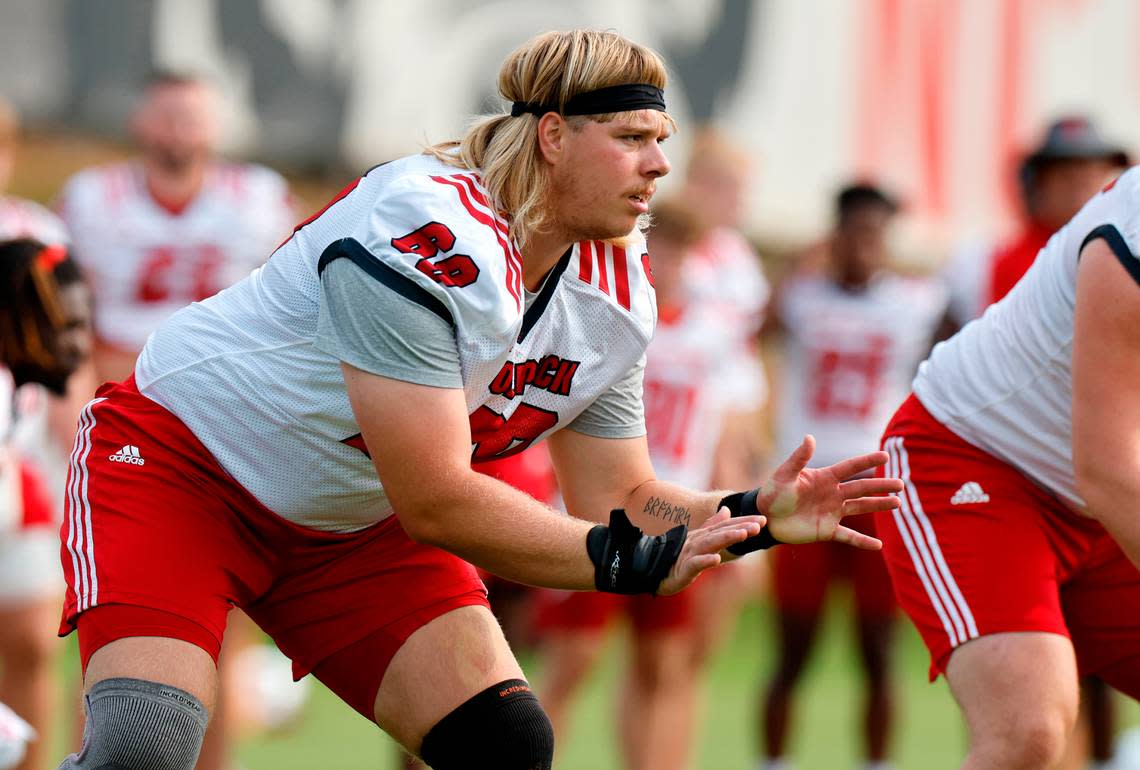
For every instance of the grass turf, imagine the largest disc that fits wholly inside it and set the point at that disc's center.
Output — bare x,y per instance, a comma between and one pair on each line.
825,736
929,733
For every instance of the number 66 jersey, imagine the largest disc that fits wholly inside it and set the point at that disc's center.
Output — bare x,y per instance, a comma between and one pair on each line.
250,373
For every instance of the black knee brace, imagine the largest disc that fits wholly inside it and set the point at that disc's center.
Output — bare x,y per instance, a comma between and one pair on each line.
133,724
502,727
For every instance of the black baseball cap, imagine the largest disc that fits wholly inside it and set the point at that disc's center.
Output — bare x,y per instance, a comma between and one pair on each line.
1075,137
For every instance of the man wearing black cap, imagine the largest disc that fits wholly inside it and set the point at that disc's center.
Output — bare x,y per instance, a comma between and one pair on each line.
1072,162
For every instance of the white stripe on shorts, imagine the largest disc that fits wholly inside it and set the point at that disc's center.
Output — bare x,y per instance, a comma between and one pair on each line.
935,549
79,541
926,555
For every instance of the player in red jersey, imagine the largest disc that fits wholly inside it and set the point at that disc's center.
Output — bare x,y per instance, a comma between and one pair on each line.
300,445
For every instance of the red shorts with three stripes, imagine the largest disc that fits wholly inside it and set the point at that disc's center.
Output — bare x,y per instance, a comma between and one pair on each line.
158,540
978,548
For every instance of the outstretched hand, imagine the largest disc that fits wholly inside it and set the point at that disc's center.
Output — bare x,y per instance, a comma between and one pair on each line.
804,504
703,546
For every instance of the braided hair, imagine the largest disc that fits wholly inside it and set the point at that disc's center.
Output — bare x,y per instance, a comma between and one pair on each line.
31,314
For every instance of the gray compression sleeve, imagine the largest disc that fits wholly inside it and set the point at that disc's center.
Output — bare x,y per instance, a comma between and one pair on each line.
368,325
133,724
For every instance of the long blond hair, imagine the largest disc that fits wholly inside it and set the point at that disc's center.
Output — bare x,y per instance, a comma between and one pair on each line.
550,70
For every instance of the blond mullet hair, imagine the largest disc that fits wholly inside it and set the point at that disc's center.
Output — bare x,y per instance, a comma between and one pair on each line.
551,69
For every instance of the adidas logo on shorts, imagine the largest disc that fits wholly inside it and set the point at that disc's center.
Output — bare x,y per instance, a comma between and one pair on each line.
970,492
128,454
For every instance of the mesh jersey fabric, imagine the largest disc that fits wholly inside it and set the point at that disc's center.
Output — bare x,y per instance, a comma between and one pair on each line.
1004,383
241,370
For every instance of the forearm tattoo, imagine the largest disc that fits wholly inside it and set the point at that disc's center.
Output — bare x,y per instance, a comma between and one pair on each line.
670,512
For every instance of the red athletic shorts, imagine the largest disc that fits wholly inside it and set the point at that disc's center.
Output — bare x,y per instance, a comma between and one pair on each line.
977,548
801,574
590,611
160,541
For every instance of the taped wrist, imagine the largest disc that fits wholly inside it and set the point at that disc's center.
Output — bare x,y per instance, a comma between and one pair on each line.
627,561
744,504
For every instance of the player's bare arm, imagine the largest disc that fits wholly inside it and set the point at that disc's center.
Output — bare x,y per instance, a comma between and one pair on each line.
1106,412
800,504
441,501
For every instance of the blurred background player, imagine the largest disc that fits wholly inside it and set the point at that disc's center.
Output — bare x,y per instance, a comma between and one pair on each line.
854,335
21,218
689,399
174,225
40,440
44,337
724,269
1055,179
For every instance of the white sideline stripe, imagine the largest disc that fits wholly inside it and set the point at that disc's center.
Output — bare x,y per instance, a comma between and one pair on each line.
916,559
936,550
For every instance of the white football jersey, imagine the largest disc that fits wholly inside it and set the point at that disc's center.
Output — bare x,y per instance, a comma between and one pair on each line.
724,270
21,218
241,370
145,261
1004,383
850,357
688,393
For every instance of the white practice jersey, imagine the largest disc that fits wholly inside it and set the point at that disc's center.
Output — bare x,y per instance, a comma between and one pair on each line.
724,270
242,371
850,357
145,261
689,392
21,218
1004,383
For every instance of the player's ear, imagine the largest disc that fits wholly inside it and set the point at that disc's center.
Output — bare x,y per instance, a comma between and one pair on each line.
552,131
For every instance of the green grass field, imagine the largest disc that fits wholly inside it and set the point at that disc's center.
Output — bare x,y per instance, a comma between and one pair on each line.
929,733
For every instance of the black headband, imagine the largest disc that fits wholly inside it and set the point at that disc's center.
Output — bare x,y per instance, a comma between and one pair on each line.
622,98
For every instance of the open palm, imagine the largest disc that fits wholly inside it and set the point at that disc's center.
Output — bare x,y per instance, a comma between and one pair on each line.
804,504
